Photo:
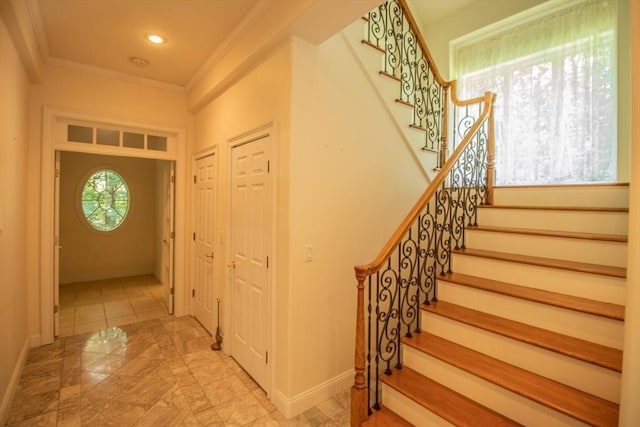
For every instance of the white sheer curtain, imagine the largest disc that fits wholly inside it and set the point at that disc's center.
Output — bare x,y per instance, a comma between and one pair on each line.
555,78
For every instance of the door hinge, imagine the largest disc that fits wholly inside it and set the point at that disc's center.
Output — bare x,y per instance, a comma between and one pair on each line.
193,293
266,357
267,261
57,173
173,179
194,179
173,234
55,308
172,291
194,236
268,166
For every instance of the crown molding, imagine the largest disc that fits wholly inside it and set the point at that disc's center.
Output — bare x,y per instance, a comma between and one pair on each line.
78,66
248,21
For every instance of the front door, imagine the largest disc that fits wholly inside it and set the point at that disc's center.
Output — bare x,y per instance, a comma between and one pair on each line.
202,291
250,250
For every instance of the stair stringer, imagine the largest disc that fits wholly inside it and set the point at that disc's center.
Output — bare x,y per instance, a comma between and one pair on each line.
370,60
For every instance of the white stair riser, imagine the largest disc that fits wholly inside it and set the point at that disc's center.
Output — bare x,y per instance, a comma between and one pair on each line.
588,327
578,221
580,250
610,196
411,411
490,395
584,376
585,285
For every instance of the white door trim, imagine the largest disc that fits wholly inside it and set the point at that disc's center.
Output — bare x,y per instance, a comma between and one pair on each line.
49,147
266,130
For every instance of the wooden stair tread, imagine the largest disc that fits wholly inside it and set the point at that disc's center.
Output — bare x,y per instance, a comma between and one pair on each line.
368,43
572,402
570,302
391,76
385,417
442,401
597,354
552,233
557,208
603,270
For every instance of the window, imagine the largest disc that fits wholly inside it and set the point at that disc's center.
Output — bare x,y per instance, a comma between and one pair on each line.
555,111
105,200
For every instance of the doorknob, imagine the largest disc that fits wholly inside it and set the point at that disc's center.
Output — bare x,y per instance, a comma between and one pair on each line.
210,255
232,265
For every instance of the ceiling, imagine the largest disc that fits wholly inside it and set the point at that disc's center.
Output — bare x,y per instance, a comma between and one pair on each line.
106,34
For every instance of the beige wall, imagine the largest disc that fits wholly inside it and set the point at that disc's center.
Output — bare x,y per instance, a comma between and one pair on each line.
14,87
88,254
98,95
629,408
353,181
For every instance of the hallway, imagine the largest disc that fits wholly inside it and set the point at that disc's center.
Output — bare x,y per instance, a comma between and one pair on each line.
157,372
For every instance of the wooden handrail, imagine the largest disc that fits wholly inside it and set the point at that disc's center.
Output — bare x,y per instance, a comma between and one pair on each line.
392,243
422,43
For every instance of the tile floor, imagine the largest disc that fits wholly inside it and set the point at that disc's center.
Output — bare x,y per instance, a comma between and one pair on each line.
157,372
90,306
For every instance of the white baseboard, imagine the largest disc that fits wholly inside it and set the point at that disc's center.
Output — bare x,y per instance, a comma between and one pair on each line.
7,399
291,407
35,341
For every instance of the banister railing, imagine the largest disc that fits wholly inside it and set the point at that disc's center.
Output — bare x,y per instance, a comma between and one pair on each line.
403,276
391,28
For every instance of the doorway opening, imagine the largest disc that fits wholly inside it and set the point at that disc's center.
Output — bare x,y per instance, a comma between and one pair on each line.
114,224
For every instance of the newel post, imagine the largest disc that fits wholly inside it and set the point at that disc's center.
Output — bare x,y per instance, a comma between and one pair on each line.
491,154
359,391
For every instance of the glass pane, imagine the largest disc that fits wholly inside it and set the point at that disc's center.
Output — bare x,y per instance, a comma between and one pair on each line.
79,134
132,140
105,200
108,137
158,143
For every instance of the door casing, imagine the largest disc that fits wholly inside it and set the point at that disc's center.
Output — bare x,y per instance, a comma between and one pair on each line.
47,207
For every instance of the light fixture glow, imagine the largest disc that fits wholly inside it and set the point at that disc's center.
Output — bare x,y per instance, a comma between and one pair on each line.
156,39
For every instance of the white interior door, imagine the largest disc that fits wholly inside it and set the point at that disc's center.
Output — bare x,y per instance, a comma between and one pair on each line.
168,235
250,242
56,248
203,236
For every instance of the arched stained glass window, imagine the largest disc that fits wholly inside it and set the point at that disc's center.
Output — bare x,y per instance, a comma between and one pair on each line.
105,200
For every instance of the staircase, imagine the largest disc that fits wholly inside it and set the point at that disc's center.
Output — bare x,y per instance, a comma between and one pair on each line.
528,327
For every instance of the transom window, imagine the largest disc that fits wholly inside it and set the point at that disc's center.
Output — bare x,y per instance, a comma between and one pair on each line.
105,200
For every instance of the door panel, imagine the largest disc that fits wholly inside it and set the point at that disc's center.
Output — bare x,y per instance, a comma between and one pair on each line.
203,262
167,233
250,248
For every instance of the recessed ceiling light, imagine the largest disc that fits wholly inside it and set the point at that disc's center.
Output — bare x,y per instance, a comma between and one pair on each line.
156,39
